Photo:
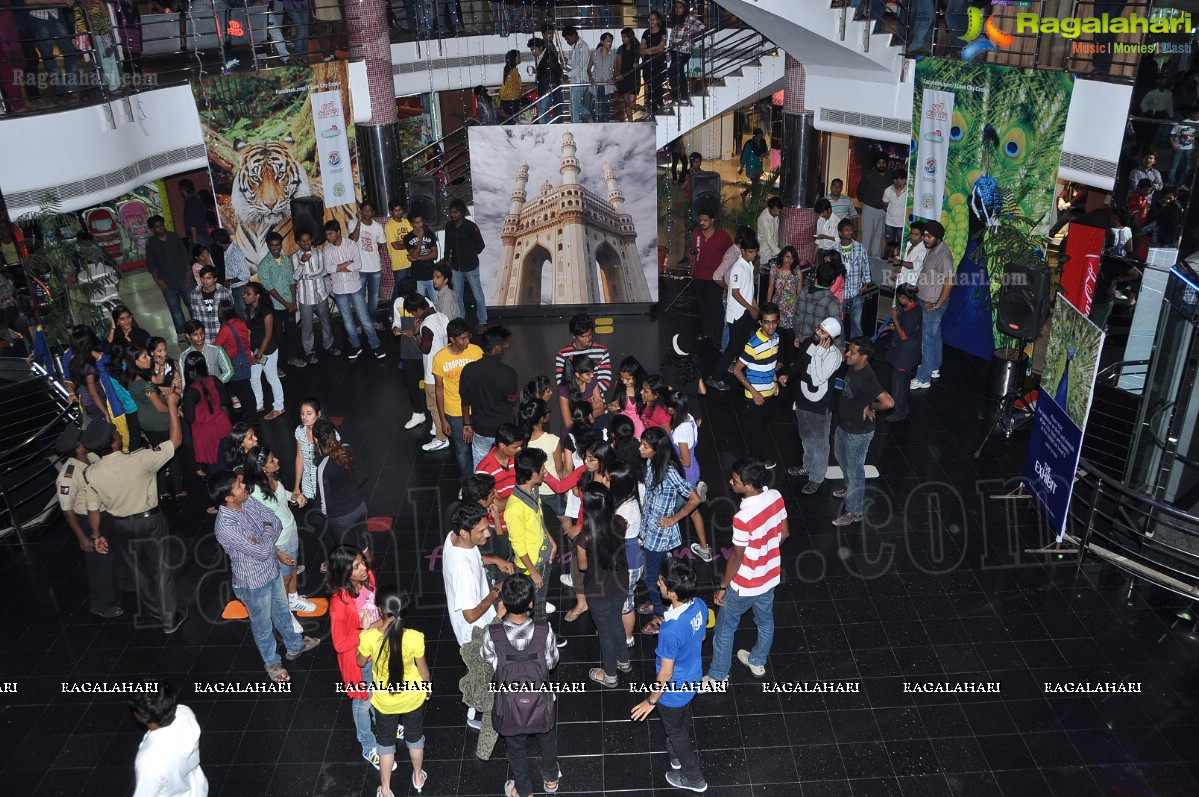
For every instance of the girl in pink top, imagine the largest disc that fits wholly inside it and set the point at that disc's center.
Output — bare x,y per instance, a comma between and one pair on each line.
653,400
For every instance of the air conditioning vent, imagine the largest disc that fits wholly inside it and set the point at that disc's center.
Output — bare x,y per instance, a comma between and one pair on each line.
889,124
38,197
1085,163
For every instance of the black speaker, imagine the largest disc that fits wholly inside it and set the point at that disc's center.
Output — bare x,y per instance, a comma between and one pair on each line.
308,215
705,193
1023,303
423,196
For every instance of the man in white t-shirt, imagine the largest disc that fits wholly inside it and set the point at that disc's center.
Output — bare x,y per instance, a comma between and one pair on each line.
895,199
168,759
371,238
740,312
907,268
472,602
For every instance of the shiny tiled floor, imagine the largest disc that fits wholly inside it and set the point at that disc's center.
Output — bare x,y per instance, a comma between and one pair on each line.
936,587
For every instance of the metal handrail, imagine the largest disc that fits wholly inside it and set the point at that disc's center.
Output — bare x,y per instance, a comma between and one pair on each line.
60,416
1112,373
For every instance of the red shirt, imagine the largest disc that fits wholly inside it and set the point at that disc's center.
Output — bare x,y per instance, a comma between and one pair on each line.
757,527
225,340
344,628
709,252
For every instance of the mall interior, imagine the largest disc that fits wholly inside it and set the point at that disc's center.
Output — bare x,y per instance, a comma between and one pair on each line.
1015,611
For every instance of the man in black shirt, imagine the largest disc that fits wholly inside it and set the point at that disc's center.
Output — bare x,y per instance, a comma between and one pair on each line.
861,398
195,215
170,266
874,212
421,244
463,243
489,390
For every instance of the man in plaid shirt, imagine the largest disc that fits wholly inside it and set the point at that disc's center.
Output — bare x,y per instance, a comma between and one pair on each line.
818,302
857,277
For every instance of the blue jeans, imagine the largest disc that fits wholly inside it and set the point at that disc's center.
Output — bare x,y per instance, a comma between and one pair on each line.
653,569
370,291
425,288
578,111
603,104
299,18
476,290
362,716
479,446
346,301
930,346
925,17
851,309
728,617
267,606
449,13
462,449
543,108
1183,158
176,298
46,33
239,300
850,451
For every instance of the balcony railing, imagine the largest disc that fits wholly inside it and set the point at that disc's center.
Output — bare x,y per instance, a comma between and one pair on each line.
133,52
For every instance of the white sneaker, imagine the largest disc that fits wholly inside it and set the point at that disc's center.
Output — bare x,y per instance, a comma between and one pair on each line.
416,420
550,608
702,489
743,657
299,603
566,580
936,374
916,384
295,624
433,430
436,445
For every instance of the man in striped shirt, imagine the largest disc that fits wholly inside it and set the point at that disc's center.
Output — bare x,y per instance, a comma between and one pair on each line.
755,370
582,333
752,572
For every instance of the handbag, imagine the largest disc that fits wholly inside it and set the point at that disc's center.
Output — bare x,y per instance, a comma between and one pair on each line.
241,361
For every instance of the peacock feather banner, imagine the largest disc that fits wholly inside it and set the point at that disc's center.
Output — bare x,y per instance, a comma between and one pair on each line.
1004,142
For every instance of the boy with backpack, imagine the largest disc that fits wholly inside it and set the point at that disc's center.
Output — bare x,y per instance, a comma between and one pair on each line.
523,651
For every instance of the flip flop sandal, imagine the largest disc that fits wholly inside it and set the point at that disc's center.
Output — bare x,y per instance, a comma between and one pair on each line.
510,789
278,674
424,778
272,415
574,614
646,608
608,681
652,627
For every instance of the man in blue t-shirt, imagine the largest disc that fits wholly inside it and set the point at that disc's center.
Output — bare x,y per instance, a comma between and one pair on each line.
680,672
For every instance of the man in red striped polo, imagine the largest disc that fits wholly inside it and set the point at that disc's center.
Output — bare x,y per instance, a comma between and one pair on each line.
753,570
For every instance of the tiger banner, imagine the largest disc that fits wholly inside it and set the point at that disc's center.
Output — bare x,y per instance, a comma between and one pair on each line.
1002,140
273,137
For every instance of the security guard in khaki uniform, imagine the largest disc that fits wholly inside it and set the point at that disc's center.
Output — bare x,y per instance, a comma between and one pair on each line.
72,499
126,486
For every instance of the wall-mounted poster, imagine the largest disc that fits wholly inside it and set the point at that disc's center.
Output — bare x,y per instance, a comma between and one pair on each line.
273,137
569,213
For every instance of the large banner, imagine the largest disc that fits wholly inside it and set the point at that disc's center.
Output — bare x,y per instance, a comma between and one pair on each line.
1003,140
932,152
1064,402
565,213
275,136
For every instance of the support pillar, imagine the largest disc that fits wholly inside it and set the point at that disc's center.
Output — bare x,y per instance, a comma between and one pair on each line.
801,164
379,158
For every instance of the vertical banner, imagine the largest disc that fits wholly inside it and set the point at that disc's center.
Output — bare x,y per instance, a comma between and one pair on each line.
1003,141
1064,402
932,154
271,141
333,150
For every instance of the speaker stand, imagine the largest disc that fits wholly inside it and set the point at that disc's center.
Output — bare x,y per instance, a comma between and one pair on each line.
682,291
1007,418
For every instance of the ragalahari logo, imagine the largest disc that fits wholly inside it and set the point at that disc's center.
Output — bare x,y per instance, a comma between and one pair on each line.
995,38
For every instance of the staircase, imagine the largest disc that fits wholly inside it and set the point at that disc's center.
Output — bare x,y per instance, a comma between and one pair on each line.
33,411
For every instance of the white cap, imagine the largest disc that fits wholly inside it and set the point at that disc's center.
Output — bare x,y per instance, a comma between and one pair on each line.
832,326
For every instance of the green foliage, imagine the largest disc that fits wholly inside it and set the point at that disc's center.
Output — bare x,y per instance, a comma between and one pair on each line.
56,263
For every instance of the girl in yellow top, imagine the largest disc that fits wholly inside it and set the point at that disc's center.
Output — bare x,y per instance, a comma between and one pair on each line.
510,88
401,685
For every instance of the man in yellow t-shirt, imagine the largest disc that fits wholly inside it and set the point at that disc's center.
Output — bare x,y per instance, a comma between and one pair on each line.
447,371
396,228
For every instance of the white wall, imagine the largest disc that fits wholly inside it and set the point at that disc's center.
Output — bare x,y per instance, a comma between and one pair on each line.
82,151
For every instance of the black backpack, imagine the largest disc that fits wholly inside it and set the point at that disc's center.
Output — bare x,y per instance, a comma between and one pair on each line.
516,713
